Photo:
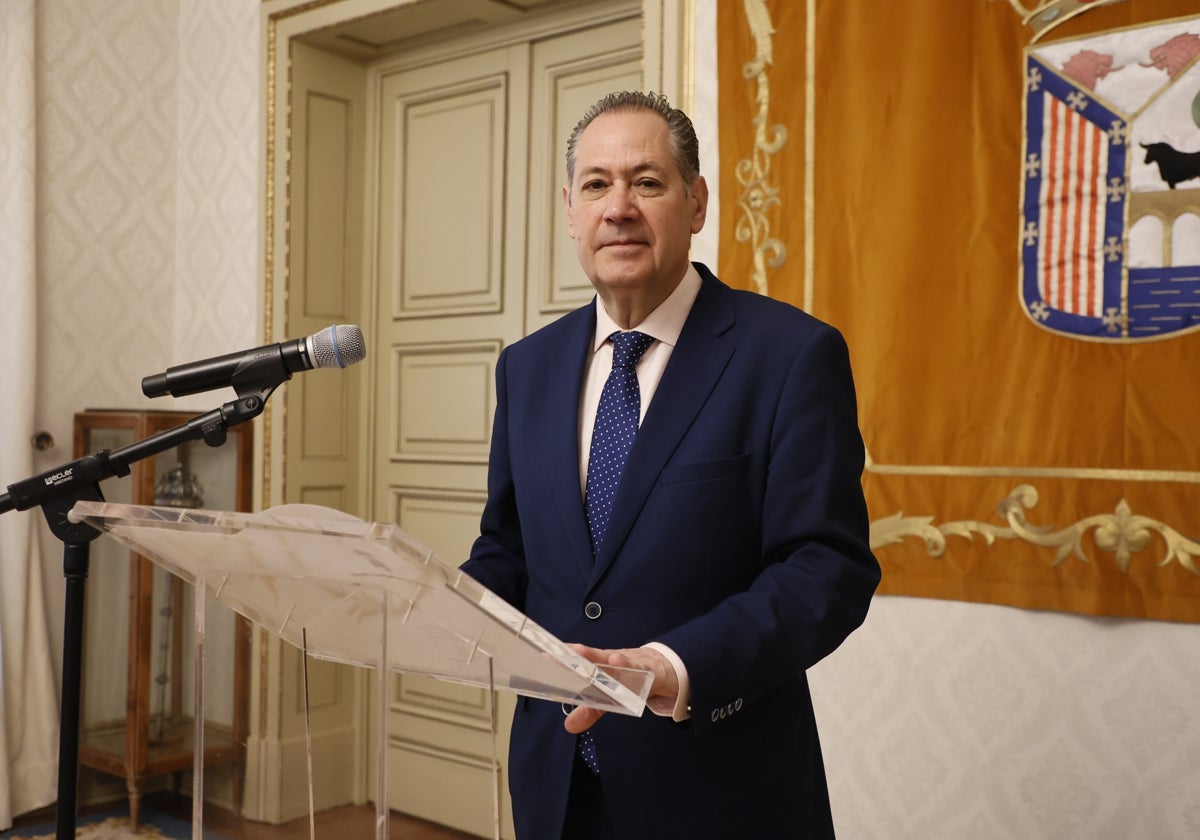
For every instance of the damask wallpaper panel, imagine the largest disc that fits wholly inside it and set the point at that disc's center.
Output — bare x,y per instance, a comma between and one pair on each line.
147,219
897,170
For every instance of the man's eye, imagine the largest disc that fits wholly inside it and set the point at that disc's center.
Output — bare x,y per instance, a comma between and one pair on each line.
593,185
649,184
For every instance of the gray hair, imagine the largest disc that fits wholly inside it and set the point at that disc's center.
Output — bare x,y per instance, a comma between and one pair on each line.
685,148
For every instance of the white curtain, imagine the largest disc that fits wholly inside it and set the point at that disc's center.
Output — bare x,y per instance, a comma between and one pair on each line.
28,703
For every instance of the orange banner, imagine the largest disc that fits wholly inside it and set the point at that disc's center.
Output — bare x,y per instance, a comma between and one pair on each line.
969,191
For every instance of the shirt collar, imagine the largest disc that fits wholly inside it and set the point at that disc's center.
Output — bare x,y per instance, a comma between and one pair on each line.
666,321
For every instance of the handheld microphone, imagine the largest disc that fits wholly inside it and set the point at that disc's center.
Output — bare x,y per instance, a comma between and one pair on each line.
268,366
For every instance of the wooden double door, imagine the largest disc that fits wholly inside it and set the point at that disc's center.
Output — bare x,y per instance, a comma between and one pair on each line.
426,190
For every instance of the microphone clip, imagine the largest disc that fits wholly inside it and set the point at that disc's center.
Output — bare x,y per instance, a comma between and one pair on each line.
258,377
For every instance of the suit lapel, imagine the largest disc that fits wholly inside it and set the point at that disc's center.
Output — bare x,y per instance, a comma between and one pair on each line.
696,364
565,385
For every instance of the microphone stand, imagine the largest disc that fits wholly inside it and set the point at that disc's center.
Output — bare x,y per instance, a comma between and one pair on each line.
56,491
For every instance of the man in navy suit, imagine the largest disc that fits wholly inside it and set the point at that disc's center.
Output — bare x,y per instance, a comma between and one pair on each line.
736,552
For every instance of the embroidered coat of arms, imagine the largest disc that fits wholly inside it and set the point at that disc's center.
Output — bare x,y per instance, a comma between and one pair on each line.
1110,227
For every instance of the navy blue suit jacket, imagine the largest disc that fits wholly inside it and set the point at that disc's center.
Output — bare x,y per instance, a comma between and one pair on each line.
738,538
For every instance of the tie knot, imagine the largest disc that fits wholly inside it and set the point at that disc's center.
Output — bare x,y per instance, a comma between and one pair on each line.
628,347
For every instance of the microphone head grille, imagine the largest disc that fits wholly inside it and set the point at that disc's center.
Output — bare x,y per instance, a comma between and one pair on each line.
338,347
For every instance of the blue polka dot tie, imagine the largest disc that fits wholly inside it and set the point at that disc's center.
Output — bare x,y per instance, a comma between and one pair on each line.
587,751
616,426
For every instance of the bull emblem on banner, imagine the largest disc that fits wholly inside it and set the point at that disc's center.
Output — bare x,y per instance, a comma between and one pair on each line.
1110,227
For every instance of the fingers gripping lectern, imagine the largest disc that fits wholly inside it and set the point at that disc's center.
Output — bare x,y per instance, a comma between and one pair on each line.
367,594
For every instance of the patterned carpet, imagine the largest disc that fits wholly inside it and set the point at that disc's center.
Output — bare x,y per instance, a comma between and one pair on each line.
113,828
106,826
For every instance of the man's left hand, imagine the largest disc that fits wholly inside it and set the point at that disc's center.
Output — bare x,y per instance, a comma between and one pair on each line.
663,690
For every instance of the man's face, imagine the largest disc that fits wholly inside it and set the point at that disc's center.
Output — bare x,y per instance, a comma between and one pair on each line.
628,211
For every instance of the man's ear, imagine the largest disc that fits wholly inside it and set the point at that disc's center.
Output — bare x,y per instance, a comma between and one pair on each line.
566,192
698,193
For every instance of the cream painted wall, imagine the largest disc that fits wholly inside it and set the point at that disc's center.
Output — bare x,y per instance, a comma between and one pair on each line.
940,720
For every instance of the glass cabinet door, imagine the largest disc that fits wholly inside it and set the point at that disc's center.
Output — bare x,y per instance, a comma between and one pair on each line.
139,683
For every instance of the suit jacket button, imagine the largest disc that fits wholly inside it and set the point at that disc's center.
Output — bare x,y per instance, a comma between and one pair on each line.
592,610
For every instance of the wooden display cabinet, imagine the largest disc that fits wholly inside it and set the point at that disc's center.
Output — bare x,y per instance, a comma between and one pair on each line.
155,736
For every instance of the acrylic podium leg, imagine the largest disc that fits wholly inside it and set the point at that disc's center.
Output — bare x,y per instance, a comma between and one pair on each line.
382,815
200,630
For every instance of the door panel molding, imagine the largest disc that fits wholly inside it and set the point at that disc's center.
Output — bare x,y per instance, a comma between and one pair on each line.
446,141
444,401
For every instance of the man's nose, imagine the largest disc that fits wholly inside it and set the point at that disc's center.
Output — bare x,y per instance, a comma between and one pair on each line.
621,205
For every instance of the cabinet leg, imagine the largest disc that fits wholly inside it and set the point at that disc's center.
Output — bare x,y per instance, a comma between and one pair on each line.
135,802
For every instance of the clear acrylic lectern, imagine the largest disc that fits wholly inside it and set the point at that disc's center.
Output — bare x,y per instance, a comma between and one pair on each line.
362,593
